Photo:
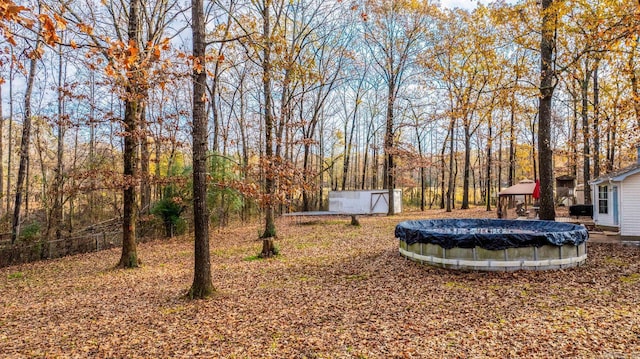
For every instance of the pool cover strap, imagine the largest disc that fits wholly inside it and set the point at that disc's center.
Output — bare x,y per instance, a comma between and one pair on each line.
493,234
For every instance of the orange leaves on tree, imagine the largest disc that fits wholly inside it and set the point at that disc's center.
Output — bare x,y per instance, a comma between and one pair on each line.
131,54
12,13
36,54
85,29
198,66
9,11
61,23
49,29
290,180
165,44
131,65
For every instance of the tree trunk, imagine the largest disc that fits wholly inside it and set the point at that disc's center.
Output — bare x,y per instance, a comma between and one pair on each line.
467,167
499,174
1,153
347,146
634,80
533,147
596,123
74,166
612,130
512,145
389,165
586,149
129,257
145,159
202,286
574,139
270,184
321,164
545,153
24,144
365,160
489,164
56,212
451,165
10,136
306,200
92,146
443,165
422,170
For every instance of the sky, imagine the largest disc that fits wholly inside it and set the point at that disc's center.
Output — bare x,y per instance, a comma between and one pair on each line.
464,4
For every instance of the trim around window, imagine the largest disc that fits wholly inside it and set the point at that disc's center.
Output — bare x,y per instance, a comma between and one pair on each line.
603,199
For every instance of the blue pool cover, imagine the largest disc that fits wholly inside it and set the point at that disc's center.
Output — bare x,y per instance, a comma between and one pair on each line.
493,234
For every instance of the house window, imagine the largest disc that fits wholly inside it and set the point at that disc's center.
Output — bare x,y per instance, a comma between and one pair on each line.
603,199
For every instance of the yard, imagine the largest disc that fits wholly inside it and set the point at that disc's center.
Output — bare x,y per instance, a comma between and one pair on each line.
335,291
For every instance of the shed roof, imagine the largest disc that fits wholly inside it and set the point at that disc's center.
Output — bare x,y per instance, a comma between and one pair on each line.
520,188
618,175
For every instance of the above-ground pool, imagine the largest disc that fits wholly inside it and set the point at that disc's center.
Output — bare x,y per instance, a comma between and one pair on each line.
493,244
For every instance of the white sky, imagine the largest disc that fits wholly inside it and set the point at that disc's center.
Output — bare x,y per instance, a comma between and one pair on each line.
463,4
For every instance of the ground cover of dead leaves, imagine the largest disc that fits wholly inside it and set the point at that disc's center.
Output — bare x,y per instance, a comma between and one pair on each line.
336,291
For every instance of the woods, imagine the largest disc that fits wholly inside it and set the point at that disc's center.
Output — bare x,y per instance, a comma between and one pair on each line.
118,112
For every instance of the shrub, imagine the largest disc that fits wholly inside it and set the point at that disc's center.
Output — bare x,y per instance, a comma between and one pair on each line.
30,232
169,210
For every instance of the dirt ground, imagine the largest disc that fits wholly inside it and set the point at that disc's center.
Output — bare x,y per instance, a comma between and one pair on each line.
336,291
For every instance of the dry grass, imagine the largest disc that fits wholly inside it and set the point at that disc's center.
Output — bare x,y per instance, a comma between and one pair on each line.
336,291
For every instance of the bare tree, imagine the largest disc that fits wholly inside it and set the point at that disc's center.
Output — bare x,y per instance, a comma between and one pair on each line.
394,35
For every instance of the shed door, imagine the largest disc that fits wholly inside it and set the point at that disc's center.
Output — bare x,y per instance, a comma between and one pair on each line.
614,195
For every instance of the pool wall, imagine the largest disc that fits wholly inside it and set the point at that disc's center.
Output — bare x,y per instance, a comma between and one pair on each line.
509,259
493,244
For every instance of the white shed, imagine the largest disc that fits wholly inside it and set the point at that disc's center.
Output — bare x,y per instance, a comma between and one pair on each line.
616,200
364,202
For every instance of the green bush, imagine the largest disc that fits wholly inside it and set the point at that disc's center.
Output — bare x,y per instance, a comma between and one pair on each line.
222,198
169,210
30,232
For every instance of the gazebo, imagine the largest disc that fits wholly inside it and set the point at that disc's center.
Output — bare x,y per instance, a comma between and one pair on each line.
525,190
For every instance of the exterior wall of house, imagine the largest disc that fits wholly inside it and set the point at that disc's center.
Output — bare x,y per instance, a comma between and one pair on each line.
604,219
629,197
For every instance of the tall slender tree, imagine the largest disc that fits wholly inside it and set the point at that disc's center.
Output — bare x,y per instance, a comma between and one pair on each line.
202,286
394,34
269,233
34,54
133,105
1,153
547,86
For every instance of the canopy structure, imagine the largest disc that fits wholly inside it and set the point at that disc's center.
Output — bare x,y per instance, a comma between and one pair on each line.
527,188
524,187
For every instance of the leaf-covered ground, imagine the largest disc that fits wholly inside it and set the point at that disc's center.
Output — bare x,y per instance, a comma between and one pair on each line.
337,291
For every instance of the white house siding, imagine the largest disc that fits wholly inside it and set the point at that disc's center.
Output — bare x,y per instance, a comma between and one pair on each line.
604,219
629,198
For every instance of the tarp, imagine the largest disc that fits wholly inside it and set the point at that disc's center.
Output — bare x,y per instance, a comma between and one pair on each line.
493,234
